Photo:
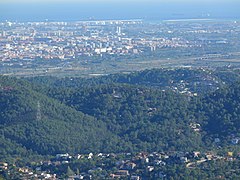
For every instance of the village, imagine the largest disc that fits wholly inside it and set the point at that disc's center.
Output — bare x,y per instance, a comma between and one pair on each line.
134,166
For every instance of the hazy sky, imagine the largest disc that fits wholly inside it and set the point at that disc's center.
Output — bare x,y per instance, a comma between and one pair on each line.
116,1
26,10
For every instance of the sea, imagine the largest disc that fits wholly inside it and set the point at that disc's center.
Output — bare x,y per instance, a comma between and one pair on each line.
30,12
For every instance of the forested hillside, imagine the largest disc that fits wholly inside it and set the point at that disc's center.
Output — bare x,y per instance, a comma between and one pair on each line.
143,111
222,111
198,80
148,118
32,122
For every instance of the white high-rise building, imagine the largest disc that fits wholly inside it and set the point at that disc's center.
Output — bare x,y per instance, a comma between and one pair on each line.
118,30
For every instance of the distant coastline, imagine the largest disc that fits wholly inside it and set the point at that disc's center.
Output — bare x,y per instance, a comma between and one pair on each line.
193,19
126,19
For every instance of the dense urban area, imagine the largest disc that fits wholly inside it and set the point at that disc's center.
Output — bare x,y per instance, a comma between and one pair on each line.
110,46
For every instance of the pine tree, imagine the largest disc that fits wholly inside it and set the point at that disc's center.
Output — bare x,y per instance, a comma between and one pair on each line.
69,171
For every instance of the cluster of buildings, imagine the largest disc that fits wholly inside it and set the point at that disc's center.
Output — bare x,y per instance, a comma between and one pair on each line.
72,40
13,172
192,84
123,165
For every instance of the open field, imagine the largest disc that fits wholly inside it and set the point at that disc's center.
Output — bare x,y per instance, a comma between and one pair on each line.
74,68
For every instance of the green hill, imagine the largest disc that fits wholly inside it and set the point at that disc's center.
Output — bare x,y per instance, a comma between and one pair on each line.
222,111
46,116
198,80
33,122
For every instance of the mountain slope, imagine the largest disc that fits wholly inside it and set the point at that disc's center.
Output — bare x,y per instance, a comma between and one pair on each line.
124,107
82,116
149,119
57,129
222,111
179,79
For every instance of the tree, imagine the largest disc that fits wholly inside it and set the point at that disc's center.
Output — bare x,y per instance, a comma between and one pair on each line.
70,172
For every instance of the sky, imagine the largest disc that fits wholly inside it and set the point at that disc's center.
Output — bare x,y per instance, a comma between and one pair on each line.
117,1
71,10
79,1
